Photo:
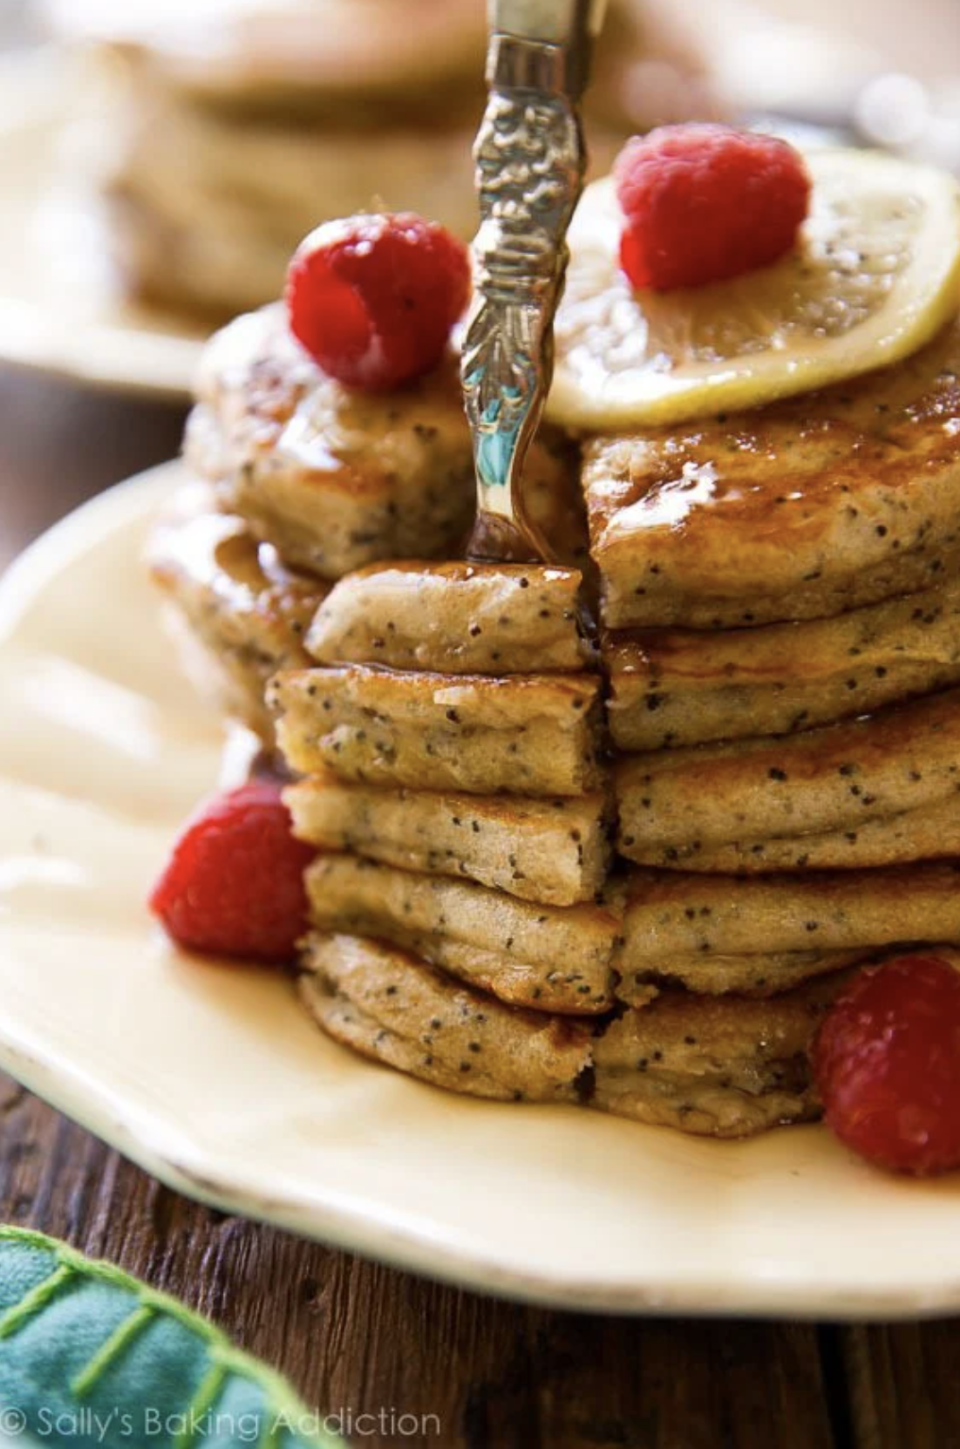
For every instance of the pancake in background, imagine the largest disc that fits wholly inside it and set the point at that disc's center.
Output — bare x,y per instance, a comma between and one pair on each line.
231,129
282,53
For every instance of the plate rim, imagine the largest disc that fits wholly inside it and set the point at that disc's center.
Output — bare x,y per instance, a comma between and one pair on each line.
366,1228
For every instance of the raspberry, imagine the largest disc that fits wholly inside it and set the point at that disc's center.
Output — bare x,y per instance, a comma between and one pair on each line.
706,202
887,1064
234,883
373,298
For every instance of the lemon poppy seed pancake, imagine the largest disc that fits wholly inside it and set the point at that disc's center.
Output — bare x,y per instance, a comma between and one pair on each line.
676,804
723,1068
718,1067
237,612
554,851
455,618
750,975
334,478
540,956
338,478
671,687
929,832
676,925
523,734
396,1009
797,510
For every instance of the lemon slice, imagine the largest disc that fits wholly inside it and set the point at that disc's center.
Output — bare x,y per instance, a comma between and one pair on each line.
875,274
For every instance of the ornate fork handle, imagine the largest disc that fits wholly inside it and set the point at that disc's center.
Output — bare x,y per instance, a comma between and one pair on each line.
530,162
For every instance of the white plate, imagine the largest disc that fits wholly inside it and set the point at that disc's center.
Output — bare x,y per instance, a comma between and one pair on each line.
62,307
211,1077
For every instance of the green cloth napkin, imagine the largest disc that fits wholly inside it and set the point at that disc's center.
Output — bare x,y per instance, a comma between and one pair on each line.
93,1358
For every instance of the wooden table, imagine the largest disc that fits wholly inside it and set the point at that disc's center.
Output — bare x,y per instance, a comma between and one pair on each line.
352,1334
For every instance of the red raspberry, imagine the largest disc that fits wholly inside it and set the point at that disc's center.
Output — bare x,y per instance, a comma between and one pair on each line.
234,883
705,202
887,1064
373,298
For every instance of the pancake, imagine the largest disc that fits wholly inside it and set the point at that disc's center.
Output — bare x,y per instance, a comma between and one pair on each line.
722,1068
714,1067
544,957
393,1008
678,803
455,618
756,974
335,479
798,510
338,479
553,851
931,832
237,612
671,688
719,933
523,734
205,212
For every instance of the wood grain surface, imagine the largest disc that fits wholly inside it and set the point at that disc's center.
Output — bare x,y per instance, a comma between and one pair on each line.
358,1337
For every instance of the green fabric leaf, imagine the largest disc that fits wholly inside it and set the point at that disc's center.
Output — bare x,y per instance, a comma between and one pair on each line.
93,1358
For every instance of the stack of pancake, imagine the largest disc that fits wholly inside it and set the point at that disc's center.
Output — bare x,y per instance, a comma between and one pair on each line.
778,771
229,130
466,927
788,765
451,748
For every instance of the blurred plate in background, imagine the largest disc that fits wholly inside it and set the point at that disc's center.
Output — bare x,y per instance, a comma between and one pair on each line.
61,306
